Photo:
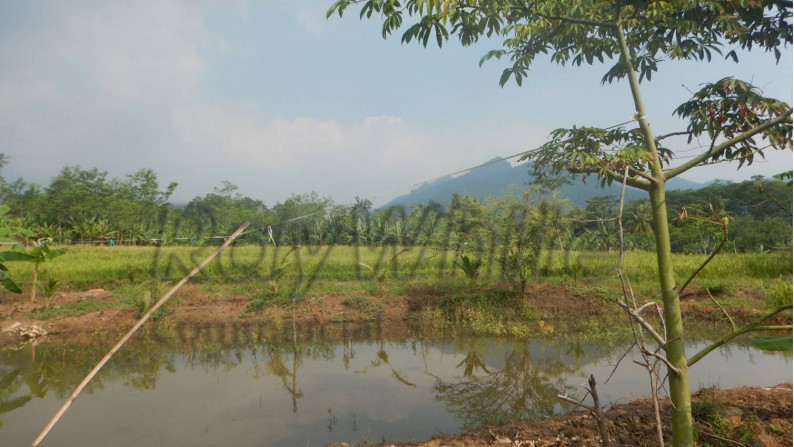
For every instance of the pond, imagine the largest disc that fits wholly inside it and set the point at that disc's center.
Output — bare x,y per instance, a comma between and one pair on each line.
255,386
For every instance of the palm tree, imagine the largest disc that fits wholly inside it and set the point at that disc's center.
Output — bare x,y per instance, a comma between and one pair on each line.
638,220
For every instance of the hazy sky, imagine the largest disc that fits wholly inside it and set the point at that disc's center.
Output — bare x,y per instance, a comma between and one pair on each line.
275,98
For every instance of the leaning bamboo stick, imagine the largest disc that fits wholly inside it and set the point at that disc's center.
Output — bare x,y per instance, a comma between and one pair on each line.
132,331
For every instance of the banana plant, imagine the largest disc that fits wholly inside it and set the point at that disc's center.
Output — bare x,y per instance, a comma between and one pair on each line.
6,281
40,254
8,234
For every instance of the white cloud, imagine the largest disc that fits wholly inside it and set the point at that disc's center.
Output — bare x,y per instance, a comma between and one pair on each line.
17,95
89,82
125,85
311,20
371,158
139,50
126,52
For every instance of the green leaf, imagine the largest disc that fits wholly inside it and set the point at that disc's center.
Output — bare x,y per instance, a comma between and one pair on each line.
505,76
492,54
6,256
56,252
411,33
441,34
9,284
338,6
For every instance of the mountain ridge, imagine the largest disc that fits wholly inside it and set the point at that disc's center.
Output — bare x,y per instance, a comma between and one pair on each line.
497,177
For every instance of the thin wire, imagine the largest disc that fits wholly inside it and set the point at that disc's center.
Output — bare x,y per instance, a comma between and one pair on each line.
495,160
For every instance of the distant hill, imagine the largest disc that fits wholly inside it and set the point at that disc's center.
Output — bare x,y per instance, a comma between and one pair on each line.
499,177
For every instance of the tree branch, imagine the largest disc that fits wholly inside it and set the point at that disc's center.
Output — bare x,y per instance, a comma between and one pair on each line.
639,173
704,432
596,411
733,325
672,134
705,263
673,172
770,198
595,23
633,182
663,359
574,401
621,358
642,308
641,321
753,326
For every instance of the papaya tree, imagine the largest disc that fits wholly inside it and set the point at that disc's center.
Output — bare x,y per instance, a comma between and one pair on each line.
633,37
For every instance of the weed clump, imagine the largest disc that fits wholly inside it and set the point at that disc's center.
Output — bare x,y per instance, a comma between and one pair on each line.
495,311
75,309
356,302
779,293
266,298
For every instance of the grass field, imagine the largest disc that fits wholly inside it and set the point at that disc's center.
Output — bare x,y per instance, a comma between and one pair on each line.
367,283
85,267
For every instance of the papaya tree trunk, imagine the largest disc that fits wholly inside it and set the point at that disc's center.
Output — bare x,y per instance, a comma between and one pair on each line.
674,350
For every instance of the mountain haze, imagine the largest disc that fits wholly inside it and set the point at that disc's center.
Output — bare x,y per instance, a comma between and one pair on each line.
498,178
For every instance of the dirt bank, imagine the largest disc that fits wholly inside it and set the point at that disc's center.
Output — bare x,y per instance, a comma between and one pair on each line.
757,417
102,311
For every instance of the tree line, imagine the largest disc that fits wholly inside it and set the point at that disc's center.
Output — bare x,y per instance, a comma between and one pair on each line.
85,205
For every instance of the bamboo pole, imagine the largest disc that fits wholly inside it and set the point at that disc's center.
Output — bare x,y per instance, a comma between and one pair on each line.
132,331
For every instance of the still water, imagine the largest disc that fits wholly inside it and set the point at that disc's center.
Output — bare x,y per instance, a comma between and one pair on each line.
263,386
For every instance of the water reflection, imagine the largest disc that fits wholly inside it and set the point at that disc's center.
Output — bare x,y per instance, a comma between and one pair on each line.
285,385
526,386
28,379
382,358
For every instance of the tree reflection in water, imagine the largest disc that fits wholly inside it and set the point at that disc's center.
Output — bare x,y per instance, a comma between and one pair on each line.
484,380
10,383
382,358
36,377
525,387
